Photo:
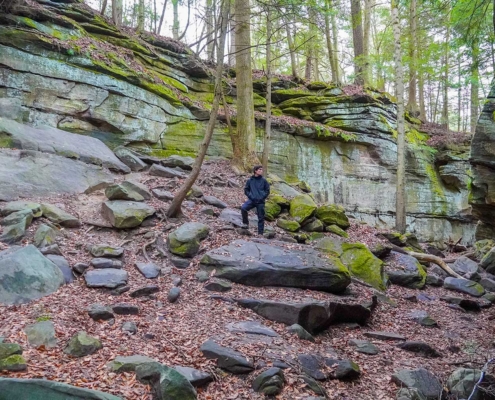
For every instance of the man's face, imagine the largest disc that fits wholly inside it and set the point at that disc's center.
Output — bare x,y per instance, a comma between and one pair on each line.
258,172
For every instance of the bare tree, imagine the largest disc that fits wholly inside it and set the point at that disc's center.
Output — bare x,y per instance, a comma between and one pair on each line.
358,41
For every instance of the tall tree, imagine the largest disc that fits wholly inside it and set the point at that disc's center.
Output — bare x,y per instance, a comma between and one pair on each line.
175,24
292,50
357,39
244,141
475,83
412,104
332,54
400,207
368,9
268,114
162,16
175,207
140,18
117,9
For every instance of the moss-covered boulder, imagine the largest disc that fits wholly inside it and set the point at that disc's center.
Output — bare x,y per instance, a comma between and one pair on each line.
279,199
333,214
405,270
126,214
15,206
14,362
314,226
288,225
9,349
364,265
129,363
128,190
45,236
59,216
272,210
82,345
337,231
185,240
302,208
330,246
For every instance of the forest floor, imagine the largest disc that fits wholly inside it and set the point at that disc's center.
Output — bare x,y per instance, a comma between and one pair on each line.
173,333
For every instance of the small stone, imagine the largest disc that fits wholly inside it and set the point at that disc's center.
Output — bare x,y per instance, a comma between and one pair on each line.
180,262
251,327
173,294
163,195
301,332
128,190
364,346
13,363
51,250
41,334
102,263
128,364
9,349
422,380
59,216
63,265
343,369
145,291
195,192
148,270
313,365
165,172
420,347
99,312
105,250
489,297
227,358
80,268
384,335
465,304
213,201
195,376
175,161
202,276
207,211
218,285
337,231
411,297
120,290
125,309
176,280
82,345
129,327
422,318
269,382
45,236
126,214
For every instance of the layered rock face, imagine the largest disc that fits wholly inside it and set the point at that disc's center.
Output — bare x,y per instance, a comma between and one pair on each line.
64,66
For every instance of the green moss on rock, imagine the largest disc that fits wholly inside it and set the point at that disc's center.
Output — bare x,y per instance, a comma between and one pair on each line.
14,362
272,210
302,208
337,231
364,265
333,214
288,225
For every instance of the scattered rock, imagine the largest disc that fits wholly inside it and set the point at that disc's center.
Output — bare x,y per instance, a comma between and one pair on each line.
41,334
228,359
14,233
464,286
148,270
108,278
301,332
129,158
178,161
269,382
488,261
462,381
195,192
195,376
407,271
120,290
163,195
26,275
409,394
422,380
421,348
184,241
207,211
313,365
51,250
82,345
129,327
465,304
288,225
202,276
23,217
434,280
104,263
105,250
213,201
176,280
180,262
21,205
128,190
364,346
128,364
12,363
421,317
218,285
100,312
251,327
332,214
45,236
234,217
126,214
9,349
173,294
59,216
343,369
465,267
125,309
166,382
337,231
488,284
314,386
302,207
165,172
144,291
64,266
384,335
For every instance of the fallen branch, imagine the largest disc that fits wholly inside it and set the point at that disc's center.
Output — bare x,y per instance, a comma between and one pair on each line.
483,372
145,253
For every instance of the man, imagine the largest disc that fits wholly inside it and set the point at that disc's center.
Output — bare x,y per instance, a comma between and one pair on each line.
257,190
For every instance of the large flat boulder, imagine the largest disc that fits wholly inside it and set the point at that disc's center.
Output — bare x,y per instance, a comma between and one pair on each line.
26,275
34,389
50,140
126,214
35,174
263,264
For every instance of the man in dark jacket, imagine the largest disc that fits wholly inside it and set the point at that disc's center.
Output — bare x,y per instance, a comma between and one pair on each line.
257,190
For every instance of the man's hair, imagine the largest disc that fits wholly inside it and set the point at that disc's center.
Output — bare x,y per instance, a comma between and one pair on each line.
257,167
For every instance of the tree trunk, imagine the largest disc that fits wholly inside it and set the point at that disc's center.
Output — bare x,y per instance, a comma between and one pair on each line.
368,7
175,207
175,26
188,20
421,88
444,120
475,84
357,38
162,16
210,42
335,38
459,92
332,56
117,12
140,25
292,52
103,7
400,222
244,141
268,121
412,105
232,45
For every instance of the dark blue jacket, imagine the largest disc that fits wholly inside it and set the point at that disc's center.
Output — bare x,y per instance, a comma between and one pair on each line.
257,189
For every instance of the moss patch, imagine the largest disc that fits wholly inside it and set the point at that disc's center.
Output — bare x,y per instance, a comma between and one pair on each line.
364,265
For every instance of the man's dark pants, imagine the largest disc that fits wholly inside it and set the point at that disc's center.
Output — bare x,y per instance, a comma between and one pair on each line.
260,210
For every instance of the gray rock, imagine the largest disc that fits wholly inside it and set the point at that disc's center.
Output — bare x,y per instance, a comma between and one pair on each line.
207,211
105,250
22,171
465,267
465,304
314,386
148,270
166,172
195,192
64,266
260,264
421,317
422,380
82,345
13,363
105,263
120,290
269,382
227,359
80,268
343,369
488,261
185,240
166,382
126,214
202,276
464,286
59,216
420,347
180,262
489,297
107,278
462,381
22,216
218,285
162,194
129,158
173,294
41,334
45,236
434,280
125,309
384,335
213,201
20,205
488,284
128,364
51,250
100,312
301,332
30,389
409,394
234,217
129,327
178,161
364,346
195,376
55,141
313,365
144,291
251,327
411,275
13,233
26,275
9,349
176,280
128,190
